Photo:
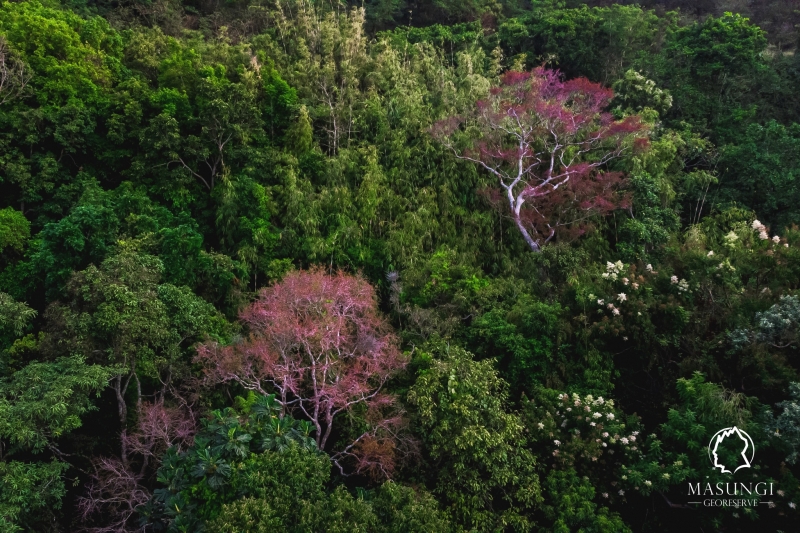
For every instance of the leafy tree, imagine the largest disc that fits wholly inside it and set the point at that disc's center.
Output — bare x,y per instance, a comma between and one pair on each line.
44,401
572,508
320,342
776,327
121,315
14,230
706,408
198,479
254,470
523,339
588,449
634,93
545,141
286,491
482,470
39,404
29,493
710,67
72,63
14,316
787,425
759,168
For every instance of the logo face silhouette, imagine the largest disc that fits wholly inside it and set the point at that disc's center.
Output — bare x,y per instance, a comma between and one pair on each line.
741,442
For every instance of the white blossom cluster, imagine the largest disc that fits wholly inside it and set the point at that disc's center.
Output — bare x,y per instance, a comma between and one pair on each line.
762,233
613,270
761,229
683,285
594,411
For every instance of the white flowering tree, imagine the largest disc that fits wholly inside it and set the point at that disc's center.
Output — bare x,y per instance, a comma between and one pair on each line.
594,438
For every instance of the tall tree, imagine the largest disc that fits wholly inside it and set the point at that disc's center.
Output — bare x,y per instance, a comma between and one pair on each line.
122,316
321,343
548,143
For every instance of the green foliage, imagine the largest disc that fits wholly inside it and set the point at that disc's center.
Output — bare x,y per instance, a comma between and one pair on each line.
29,492
218,468
759,169
572,508
253,470
123,316
44,401
634,93
524,341
589,448
286,492
160,162
712,66
600,43
787,425
483,471
14,316
15,230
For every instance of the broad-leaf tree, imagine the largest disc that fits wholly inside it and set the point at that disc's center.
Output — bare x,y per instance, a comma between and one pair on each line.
547,143
319,341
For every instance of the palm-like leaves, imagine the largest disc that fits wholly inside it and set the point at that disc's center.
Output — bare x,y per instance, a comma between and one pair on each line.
265,408
280,433
227,437
277,434
211,466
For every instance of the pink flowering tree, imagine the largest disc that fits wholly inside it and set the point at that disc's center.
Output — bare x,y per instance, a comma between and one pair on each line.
117,488
547,143
319,342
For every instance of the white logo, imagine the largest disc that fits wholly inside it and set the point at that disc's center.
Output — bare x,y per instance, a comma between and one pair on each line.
747,453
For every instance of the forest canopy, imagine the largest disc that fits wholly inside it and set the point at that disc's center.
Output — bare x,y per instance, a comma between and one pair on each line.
398,266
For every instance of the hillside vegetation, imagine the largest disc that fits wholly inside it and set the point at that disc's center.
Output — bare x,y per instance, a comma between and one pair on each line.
397,266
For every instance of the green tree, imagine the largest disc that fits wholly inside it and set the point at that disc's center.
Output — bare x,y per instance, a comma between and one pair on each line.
29,493
39,405
482,470
761,169
122,315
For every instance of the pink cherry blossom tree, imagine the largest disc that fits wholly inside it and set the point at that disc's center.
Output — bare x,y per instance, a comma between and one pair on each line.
547,143
319,342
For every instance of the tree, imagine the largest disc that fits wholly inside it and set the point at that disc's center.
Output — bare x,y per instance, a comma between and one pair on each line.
240,475
43,401
38,406
14,228
547,143
121,315
481,466
117,491
14,74
321,343
28,493
14,316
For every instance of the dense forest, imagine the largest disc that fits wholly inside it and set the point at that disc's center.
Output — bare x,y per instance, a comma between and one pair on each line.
399,265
